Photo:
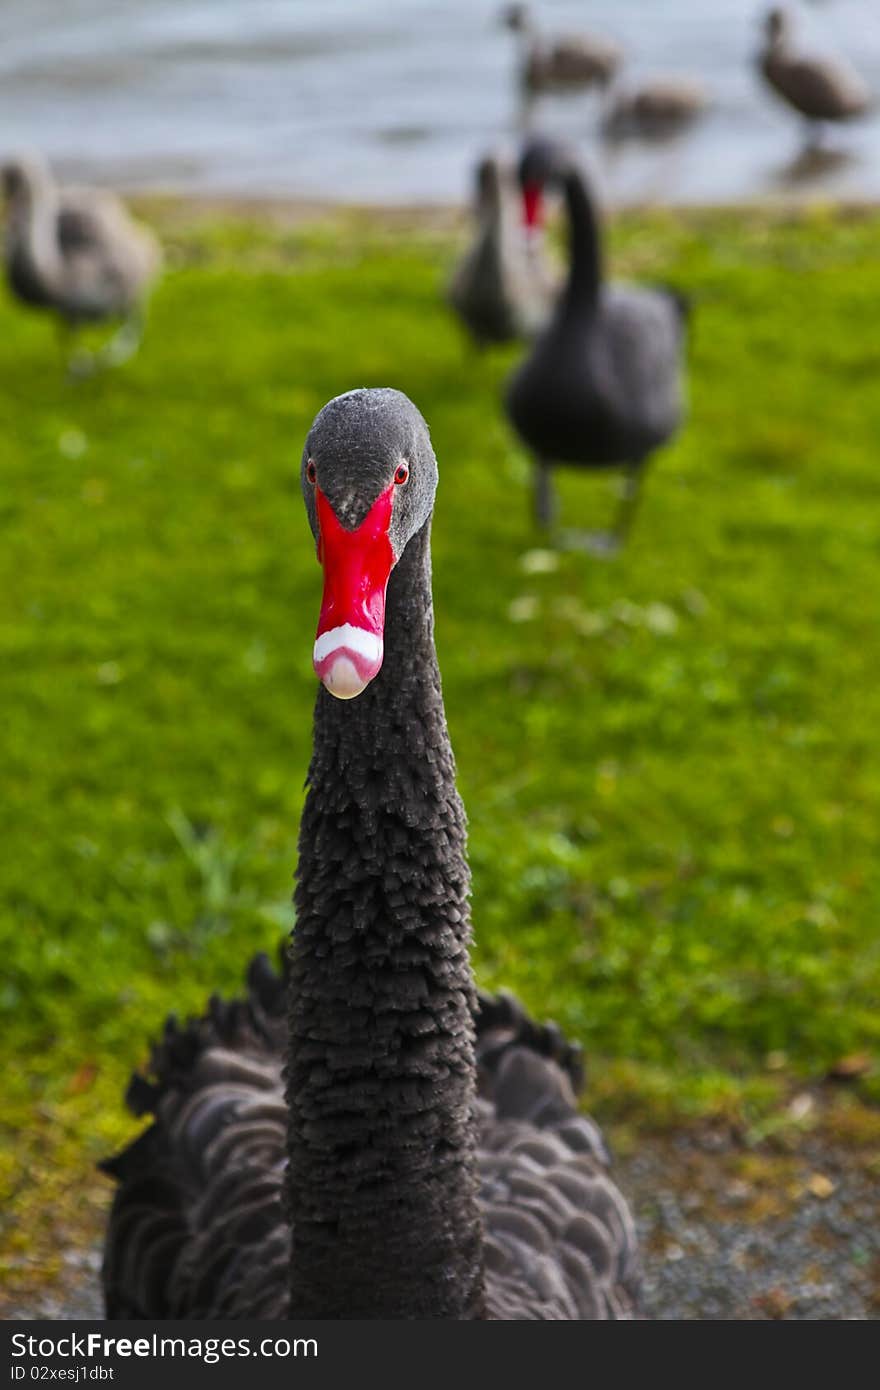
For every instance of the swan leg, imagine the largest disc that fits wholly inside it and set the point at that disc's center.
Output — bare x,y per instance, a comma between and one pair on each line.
120,348
629,500
525,109
80,362
606,544
814,137
545,496
124,343
603,544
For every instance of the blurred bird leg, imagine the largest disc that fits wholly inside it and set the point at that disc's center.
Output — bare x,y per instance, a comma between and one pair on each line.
125,341
545,497
606,544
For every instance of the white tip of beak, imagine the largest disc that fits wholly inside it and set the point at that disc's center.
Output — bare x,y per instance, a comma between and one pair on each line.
343,679
346,659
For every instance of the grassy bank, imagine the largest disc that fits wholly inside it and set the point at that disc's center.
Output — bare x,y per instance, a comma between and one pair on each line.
670,762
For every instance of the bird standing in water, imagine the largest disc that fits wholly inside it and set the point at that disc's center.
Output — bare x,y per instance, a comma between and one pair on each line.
822,87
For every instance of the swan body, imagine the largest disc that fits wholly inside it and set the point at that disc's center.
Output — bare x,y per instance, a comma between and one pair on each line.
75,251
821,86
503,288
566,61
654,109
367,1137
198,1228
602,384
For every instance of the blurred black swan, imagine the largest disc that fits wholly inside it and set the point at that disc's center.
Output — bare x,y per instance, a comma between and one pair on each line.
821,86
602,385
77,252
503,287
565,61
655,109
428,1160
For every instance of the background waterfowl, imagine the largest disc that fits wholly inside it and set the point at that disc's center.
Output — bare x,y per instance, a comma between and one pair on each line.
566,60
78,253
602,384
821,86
504,286
434,1169
654,109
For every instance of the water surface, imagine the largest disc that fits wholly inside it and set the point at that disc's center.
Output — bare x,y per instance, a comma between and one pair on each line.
350,100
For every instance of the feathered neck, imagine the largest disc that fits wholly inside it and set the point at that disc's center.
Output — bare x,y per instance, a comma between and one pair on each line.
499,232
581,291
779,36
33,225
382,1173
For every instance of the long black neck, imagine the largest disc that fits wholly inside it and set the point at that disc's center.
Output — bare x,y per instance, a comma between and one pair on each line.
585,253
382,1173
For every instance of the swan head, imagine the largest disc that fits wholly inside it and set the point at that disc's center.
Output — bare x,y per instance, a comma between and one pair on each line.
542,162
517,18
495,188
22,175
489,181
368,476
778,24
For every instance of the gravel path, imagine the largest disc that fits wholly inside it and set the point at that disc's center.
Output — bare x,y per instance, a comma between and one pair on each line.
727,1232
746,1235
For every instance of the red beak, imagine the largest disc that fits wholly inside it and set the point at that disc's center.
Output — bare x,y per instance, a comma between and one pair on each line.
533,204
349,644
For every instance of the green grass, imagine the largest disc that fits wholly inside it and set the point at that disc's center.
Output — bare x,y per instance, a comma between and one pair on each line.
670,761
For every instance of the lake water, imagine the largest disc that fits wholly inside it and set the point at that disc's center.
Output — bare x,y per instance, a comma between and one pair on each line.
391,102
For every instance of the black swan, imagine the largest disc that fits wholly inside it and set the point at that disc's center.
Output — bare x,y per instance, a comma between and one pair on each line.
654,109
78,252
821,86
437,1167
503,288
602,384
566,61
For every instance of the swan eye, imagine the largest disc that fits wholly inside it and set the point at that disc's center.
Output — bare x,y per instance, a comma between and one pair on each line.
311,471
401,473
